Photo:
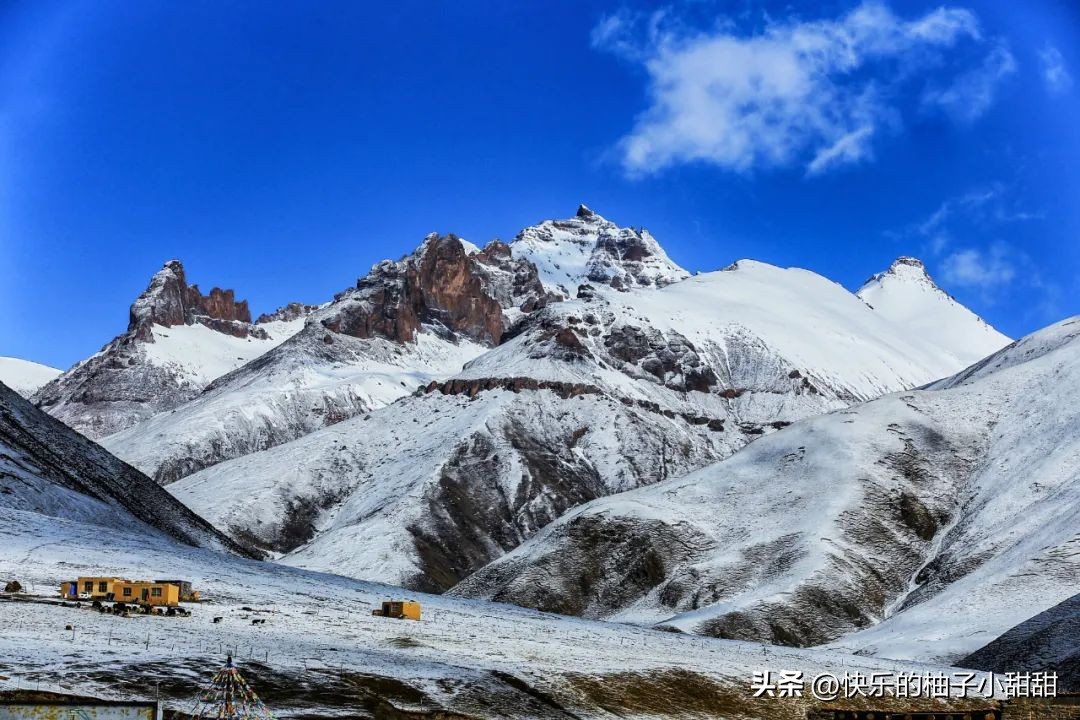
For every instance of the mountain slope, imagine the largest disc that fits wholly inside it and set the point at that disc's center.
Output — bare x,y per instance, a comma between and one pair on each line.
936,518
1048,642
48,469
25,377
612,390
177,342
907,296
403,325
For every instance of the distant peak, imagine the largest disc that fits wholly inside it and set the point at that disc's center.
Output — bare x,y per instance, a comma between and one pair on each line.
905,261
904,267
169,300
585,213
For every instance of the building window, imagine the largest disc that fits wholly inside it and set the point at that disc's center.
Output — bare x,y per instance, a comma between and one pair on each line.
88,586
102,586
127,591
156,592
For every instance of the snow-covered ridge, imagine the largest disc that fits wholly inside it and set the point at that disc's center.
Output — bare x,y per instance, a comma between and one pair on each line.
177,341
907,296
25,377
48,469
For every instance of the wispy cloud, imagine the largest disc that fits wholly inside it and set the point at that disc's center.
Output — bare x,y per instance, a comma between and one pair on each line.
1056,76
810,93
971,94
962,240
985,270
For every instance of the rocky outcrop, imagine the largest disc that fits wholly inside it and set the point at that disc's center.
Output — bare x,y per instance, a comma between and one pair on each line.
125,382
440,284
169,301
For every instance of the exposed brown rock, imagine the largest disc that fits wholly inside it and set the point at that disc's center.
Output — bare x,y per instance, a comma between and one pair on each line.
170,301
440,284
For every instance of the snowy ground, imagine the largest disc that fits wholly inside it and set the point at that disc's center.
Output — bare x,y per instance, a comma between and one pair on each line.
320,640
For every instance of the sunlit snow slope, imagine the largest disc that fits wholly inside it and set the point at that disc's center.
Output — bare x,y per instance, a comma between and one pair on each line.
23,376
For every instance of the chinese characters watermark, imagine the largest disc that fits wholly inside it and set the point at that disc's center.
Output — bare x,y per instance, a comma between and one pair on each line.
928,685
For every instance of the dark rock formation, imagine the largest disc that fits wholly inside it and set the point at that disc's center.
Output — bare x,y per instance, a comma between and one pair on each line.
440,284
170,301
1048,642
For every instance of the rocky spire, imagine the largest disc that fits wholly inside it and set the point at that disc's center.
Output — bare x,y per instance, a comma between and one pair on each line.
168,300
441,283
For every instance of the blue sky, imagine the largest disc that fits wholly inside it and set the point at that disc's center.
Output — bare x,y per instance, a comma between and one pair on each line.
282,148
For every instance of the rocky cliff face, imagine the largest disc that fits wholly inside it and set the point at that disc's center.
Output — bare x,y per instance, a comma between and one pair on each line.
169,301
475,294
178,340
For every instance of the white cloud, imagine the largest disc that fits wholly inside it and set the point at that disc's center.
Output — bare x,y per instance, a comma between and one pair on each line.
814,93
850,148
985,270
1056,76
973,92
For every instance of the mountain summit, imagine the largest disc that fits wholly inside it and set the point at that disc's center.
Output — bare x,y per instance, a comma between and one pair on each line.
906,295
590,249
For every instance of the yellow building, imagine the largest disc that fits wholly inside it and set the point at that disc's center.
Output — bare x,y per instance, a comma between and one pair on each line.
144,592
401,609
97,588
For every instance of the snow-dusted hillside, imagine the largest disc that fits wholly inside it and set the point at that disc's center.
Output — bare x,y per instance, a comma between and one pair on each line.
49,470
25,377
319,653
587,397
177,342
931,520
907,296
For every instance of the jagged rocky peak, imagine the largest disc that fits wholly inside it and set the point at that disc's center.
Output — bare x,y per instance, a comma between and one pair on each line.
169,301
442,284
589,248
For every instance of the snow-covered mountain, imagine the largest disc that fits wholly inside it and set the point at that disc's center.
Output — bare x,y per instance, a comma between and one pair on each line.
25,377
926,523
405,324
618,387
177,342
49,470
909,298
